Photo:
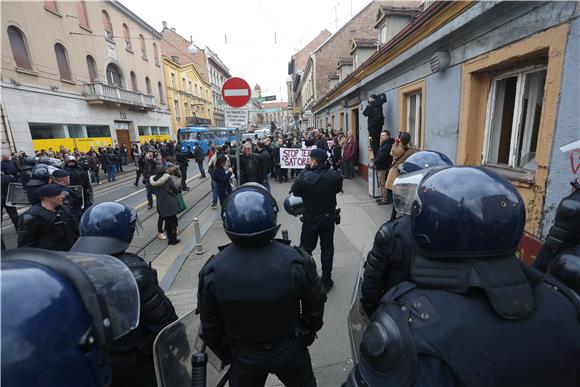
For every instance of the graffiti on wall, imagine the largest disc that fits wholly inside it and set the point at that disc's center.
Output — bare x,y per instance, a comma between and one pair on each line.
573,151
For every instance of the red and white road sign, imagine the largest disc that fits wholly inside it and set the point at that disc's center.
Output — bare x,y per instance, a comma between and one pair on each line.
236,92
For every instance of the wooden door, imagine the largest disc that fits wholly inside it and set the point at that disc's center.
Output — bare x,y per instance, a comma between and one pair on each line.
123,138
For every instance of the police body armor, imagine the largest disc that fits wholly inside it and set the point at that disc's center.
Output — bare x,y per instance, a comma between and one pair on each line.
156,309
267,316
132,354
416,326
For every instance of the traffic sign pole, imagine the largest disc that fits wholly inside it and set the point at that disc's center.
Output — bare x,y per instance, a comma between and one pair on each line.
236,93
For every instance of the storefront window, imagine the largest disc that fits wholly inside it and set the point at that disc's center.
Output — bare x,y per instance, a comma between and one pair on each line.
98,131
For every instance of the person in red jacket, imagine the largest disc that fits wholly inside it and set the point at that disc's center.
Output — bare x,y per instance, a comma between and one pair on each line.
350,156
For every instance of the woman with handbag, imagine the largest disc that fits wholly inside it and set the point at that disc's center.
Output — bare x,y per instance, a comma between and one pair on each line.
221,176
400,151
166,188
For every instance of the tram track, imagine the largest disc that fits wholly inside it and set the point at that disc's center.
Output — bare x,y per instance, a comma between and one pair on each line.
193,210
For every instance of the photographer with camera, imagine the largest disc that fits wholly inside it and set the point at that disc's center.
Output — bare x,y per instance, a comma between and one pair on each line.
318,186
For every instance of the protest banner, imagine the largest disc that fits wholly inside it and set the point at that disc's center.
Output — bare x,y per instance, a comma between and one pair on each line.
294,158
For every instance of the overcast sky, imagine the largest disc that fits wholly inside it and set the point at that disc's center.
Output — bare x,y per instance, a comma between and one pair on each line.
261,34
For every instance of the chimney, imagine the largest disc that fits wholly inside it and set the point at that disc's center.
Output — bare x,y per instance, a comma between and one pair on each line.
175,58
164,24
190,39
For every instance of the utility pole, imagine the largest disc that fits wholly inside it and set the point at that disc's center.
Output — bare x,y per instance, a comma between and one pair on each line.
336,16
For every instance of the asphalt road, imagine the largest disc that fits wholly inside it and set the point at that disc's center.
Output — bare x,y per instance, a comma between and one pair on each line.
125,192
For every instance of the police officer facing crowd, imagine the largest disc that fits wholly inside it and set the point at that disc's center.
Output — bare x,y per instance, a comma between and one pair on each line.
472,313
48,224
388,262
108,228
71,199
60,312
318,186
260,300
79,176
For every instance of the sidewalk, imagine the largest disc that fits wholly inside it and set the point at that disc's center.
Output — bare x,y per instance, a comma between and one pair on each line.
361,217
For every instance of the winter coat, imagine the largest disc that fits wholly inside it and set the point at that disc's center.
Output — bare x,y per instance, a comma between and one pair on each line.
350,152
222,178
383,160
374,113
198,155
166,189
250,169
400,153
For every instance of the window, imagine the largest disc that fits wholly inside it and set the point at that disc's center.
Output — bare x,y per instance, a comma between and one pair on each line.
114,77
19,50
50,5
127,37
108,26
163,130
513,118
47,131
383,34
62,61
134,82
412,111
173,81
183,86
196,90
155,54
91,65
82,14
148,85
155,131
160,87
413,117
143,51
177,112
98,131
190,89
144,131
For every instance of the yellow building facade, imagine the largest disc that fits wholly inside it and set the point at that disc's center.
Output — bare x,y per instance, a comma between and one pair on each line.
188,95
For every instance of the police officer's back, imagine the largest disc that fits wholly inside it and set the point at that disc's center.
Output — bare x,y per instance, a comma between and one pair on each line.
388,261
108,228
260,300
472,313
48,224
318,186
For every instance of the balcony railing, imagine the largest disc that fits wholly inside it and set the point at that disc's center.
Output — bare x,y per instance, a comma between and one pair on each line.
106,93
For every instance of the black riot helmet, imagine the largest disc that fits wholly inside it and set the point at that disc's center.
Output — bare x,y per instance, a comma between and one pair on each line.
106,228
250,216
466,212
294,205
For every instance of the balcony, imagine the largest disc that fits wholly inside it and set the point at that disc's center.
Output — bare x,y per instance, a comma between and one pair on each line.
101,93
197,121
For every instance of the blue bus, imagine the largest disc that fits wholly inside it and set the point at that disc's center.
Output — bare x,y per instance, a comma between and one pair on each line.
204,136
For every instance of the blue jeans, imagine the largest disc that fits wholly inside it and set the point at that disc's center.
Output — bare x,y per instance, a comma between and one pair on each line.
149,193
200,165
112,173
214,192
95,176
267,181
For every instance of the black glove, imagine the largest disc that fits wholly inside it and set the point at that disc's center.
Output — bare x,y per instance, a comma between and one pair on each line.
306,335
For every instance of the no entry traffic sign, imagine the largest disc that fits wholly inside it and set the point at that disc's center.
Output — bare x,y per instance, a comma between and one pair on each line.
236,92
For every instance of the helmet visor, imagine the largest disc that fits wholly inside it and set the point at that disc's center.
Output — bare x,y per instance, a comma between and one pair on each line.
405,191
115,283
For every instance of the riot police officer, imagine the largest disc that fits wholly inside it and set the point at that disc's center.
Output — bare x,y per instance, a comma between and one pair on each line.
565,232
79,176
48,224
388,261
108,228
60,312
260,300
472,313
318,186
71,198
